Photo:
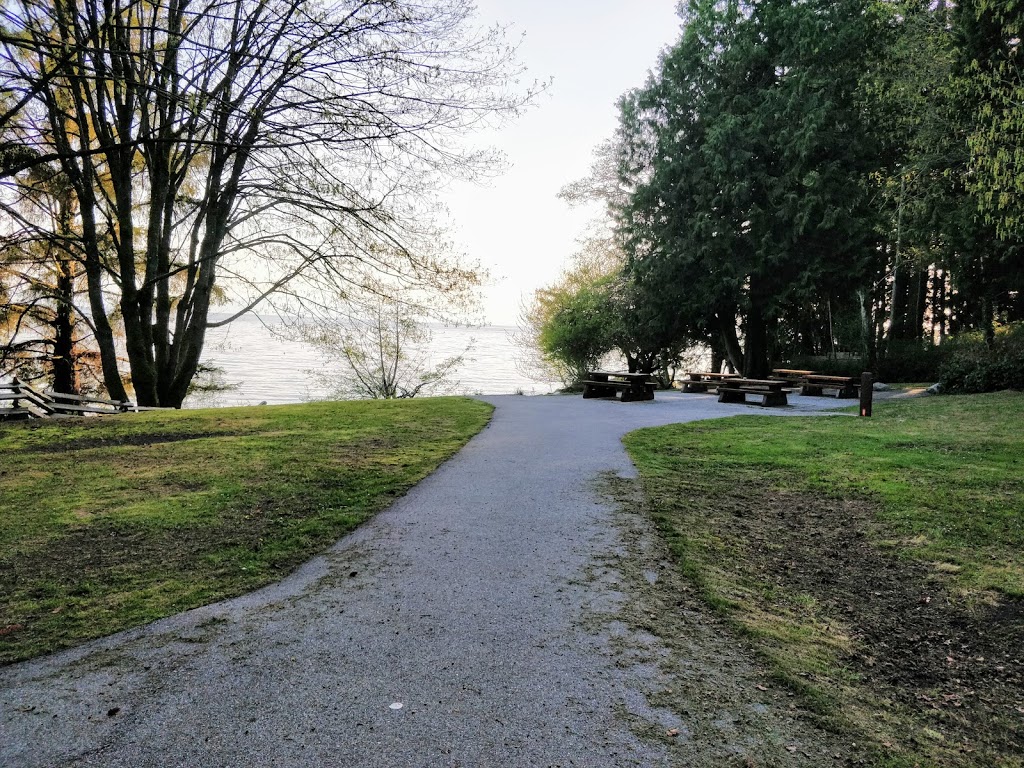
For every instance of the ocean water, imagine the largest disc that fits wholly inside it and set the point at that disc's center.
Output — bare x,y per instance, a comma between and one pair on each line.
263,367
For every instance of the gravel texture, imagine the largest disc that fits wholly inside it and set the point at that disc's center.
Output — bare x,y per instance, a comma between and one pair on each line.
485,619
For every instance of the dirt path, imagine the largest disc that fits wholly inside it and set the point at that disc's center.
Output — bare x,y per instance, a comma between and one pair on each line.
506,612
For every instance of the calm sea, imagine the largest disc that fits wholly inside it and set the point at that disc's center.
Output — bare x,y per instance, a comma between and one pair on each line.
266,368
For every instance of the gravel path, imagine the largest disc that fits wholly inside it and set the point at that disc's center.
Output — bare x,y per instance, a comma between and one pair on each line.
486,619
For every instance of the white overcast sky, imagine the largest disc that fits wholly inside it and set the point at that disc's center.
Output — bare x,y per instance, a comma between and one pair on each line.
594,50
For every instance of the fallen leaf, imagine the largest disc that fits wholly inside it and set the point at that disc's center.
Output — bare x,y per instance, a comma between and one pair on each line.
672,732
762,687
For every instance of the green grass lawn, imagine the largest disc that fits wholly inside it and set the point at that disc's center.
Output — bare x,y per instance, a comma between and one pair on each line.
877,563
110,523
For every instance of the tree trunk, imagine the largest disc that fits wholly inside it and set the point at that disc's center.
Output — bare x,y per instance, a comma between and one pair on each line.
733,350
916,332
718,354
101,324
64,368
938,306
755,352
902,300
867,329
987,319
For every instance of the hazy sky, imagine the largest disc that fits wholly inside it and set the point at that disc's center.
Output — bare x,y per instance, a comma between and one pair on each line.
595,50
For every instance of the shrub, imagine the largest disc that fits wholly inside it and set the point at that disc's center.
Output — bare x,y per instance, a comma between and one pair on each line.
580,329
973,367
912,361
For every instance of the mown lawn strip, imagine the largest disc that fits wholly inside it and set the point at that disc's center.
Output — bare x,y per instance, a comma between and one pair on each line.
878,563
114,522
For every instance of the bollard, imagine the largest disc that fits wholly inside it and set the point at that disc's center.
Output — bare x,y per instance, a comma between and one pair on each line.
866,391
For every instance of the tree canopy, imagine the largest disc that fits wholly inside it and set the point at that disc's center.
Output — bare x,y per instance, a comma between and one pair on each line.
799,178
746,152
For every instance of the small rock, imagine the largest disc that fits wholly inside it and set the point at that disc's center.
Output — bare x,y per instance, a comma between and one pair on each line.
880,386
113,711
934,389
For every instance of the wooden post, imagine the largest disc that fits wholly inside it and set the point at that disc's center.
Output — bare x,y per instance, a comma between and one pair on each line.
866,391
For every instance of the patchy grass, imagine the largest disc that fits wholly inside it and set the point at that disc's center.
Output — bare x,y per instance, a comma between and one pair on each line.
110,523
878,563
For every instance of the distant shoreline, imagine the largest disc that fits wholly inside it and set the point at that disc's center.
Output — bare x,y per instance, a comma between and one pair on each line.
266,368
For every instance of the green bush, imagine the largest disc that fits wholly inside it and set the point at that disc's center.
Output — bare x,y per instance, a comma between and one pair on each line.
912,361
973,367
580,328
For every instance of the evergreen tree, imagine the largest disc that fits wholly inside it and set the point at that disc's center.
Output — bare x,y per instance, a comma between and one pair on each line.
747,154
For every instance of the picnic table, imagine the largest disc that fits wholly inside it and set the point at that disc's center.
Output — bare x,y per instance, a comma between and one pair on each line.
738,389
632,386
792,376
700,381
844,386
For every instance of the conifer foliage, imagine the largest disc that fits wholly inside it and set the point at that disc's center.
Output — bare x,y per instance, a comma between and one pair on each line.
805,177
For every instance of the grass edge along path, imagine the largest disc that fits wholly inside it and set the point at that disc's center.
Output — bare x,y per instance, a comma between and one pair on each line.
111,523
877,564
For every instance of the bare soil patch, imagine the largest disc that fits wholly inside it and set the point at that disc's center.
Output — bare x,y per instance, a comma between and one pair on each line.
121,440
709,696
958,662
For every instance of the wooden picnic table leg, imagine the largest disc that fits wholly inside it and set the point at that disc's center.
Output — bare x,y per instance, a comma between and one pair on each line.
731,396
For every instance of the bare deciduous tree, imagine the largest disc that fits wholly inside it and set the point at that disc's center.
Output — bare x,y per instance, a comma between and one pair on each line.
256,150
381,354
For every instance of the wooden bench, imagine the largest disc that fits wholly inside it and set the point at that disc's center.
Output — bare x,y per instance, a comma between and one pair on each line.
792,377
844,386
701,381
737,390
632,386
